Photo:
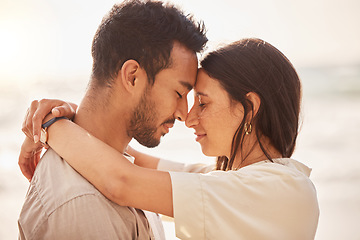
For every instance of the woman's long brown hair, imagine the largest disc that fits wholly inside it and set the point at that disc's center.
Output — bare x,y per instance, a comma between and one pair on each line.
253,65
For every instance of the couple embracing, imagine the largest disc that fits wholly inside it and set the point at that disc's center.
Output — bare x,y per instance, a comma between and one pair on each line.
90,184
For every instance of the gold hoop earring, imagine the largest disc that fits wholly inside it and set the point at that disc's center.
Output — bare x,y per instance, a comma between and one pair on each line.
247,128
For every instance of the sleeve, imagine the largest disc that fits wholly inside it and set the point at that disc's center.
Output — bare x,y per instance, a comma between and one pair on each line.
212,205
258,202
206,206
188,205
89,217
167,165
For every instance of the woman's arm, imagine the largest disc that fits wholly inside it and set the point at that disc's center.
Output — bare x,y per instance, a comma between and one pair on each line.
142,159
148,161
110,172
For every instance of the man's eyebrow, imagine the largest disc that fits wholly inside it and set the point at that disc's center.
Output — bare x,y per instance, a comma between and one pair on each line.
187,85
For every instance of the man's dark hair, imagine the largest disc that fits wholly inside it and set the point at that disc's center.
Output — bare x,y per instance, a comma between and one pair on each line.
143,31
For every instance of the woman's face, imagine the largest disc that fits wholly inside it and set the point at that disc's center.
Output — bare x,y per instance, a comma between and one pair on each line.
213,117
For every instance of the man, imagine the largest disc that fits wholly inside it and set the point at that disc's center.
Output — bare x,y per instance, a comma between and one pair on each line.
144,64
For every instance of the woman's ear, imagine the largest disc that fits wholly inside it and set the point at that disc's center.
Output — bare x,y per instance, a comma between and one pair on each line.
129,75
255,100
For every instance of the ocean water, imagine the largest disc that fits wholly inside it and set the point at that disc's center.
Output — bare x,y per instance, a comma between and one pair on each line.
328,143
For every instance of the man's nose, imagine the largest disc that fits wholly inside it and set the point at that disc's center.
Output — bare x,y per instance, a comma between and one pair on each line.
182,109
192,118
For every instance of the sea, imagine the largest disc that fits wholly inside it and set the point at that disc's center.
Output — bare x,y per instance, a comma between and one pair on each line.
328,143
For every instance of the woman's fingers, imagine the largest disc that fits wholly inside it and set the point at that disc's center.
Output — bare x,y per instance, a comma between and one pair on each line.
29,157
31,149
65,110
57,107
38,111
44,108
23,127
27,124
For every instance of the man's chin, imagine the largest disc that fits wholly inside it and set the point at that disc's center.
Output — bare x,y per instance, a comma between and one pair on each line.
150,143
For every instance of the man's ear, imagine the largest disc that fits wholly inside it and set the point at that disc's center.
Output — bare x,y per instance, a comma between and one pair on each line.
256,101
130,75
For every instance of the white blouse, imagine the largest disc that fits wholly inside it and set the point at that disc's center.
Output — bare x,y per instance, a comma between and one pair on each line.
260,201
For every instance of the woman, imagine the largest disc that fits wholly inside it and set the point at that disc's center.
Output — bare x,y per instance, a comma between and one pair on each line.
246,112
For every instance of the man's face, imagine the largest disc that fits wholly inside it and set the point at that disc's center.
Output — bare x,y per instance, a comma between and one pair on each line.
166,100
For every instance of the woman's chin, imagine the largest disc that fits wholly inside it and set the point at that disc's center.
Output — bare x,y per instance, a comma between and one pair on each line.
207,152
204,151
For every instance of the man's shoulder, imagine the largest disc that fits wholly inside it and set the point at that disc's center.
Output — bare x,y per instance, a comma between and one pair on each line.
54,178
56,183
58,192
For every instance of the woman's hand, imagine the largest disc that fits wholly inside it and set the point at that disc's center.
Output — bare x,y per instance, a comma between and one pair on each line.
37,112
31,148
29,157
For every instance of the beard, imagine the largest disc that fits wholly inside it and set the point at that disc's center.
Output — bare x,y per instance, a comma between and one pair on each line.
143,122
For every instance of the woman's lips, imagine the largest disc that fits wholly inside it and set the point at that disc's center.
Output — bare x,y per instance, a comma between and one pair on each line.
199,136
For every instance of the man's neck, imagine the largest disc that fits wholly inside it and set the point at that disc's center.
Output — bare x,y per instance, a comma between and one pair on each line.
102,123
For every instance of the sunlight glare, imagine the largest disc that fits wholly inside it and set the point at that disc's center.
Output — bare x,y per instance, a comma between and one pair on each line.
10,48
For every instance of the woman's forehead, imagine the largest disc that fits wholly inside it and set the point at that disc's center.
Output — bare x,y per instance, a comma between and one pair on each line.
204,83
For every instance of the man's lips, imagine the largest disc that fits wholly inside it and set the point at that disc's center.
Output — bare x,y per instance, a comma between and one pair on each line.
167,126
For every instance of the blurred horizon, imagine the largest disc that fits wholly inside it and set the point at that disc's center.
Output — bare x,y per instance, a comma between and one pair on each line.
52,39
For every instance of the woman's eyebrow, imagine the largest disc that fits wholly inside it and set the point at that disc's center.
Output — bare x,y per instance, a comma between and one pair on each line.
201,94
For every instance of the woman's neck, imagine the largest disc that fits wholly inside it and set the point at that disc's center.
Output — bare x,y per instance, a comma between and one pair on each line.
252,153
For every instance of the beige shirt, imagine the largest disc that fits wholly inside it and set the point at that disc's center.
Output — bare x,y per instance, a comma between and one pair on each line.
261,201
61,204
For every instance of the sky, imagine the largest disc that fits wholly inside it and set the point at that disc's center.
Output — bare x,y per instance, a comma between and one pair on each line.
52,39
